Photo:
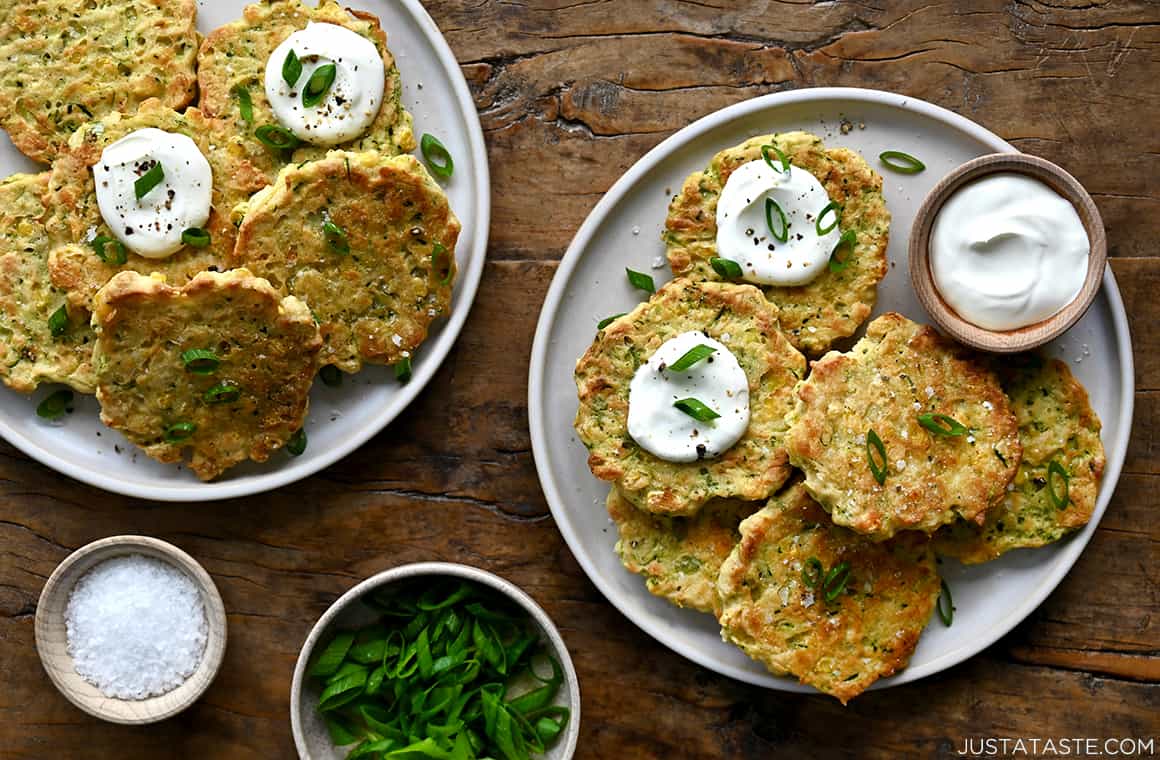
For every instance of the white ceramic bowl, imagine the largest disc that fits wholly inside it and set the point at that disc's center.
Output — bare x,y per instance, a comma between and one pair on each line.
310,734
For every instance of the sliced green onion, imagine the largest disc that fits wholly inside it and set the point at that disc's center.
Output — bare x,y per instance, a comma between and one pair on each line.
837,264
110,250
223,393
179,431
903,163
770,206
833,206
813,572
54,405
695,409
331,375
318,85
440,261
835,581
641,281
403,369
727,268
335,237
437,156
942,425
245,103
692,356
58,322
200,361
149,180
781,157
276,137
1056,473
195,237
291,68
296,445
876,455
609,320
947,613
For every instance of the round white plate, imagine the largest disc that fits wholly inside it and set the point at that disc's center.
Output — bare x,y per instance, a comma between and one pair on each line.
341,419
624,230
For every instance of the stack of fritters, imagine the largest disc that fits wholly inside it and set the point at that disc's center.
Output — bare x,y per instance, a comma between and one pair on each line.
272,296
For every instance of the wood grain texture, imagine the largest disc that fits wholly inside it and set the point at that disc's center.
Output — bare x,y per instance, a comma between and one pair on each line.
571,93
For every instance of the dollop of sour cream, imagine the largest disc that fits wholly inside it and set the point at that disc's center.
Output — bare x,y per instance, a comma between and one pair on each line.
151,226
1007,251
744,236
717,381
350,105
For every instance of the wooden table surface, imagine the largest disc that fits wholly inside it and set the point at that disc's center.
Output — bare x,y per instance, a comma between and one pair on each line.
571,93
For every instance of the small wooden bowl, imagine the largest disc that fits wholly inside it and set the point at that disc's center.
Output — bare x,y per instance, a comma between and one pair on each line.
52,638
1030,336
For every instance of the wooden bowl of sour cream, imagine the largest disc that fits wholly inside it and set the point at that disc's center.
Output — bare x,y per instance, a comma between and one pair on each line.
996,338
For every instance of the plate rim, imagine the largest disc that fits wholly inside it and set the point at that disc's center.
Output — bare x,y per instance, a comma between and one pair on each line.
1069,552
467,286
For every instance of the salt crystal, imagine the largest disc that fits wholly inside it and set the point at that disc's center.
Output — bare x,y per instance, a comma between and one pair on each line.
659,262
136,627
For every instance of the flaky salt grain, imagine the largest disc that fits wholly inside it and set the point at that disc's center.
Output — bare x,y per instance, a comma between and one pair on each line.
136,627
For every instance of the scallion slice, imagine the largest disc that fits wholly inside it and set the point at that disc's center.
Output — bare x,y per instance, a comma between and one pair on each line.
1056,474
903,163
149,180
245,103
54,404
771,206
946,613
813,572
276,137
846,242
296,445
781,158
403,369
442,262
641,281
200,361
179,431
691,357
876,456
335,237
291,68
835,581
110,250
330,375
696,409
832,206
318,85
437,156
58,322
727,268
223,393
195,237
942,425
609,320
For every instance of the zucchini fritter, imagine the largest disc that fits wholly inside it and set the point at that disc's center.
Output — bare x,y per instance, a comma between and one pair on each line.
836,303
774,604
243,401
899,371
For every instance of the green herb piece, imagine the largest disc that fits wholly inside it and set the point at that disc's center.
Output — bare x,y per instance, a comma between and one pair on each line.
331,376
835,581
149,180
876,456
318,85
403,370
200,361
276,137
296,445
782,159
223,393
641,281
771,206
845,243
1056,474
54,405
335,237
691,357
903,163
695,409
195,237
437,156
245,103
442,262
609,320
110,250
947,613
330,660
942,425
813,572
58,322
291,68
179,431
836,209
727,268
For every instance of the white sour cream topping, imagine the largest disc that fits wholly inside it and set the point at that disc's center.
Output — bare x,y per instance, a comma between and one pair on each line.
351,104
152,225
744,236
718,382
1007,251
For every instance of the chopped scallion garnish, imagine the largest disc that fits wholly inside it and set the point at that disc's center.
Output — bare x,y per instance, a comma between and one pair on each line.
845,244
942,425
110,250
318,85
179,431
832,206
437,156
782,159
781,235
442,262
291,68
149,180
691,357
876,456
1056,474
276,137
297,443
223,393
813,572
946,613
696,409
195,237
403,369
54,405
200,361
641,281
835,581
609,320
58,322
903,163
727,268
335,237
245,103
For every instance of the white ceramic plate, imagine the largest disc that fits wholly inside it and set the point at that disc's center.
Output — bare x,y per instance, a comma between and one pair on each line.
341,419
624,230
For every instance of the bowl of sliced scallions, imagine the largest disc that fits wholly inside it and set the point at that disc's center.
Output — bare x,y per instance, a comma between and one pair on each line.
435,660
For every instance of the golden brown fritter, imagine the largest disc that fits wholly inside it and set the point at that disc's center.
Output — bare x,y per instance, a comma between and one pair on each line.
736,315
31,352
899,371
1056,424
679,557
382,273
836,303
245,405
64,63
777,605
